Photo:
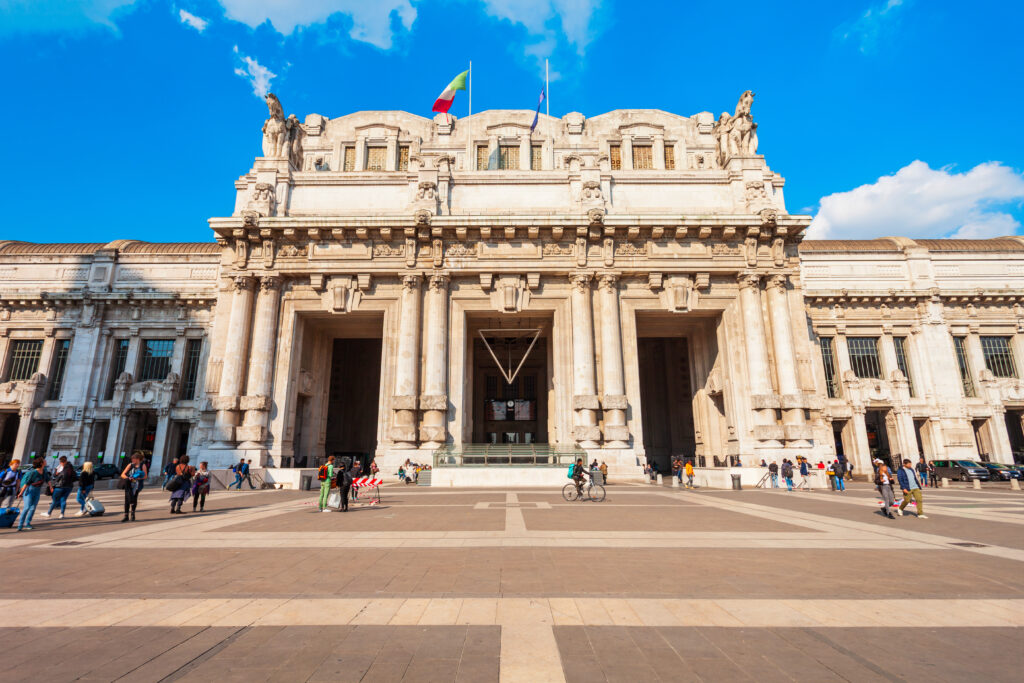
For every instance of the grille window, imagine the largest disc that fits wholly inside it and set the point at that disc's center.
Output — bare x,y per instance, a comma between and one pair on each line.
403,158
998,356
530,387
829,360
60,364
960,344
508,157
864,357
193,350
643,157
536,157
156,359
901,361
120,360
482,160
670,157
25,355
350,159
375,158
615,156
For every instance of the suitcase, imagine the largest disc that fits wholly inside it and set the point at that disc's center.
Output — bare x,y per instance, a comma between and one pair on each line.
94,508
8,516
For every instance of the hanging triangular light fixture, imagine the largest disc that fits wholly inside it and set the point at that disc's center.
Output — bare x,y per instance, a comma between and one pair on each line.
510,335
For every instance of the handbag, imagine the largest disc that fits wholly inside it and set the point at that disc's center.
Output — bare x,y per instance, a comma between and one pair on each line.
176,482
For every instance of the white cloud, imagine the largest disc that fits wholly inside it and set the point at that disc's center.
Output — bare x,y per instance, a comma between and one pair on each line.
58,15
192,20
371,20
918,201
873,25
258,75
544,19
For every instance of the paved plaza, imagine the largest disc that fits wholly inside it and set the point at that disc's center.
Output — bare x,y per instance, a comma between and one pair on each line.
655,583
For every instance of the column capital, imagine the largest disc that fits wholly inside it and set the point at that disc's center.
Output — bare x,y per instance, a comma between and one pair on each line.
243,282
608,281
748,280
581,280
411,281
777,282
439,281
270,283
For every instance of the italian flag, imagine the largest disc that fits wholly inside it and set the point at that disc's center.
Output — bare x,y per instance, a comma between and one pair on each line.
447,96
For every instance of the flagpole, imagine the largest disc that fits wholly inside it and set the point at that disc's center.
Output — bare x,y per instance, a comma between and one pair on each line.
470,161
547,90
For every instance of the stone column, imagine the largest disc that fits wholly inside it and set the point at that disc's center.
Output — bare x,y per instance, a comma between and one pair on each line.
785,354
493,155
391,155
626,151
256,401
616,433
584,400
434,401
407,365
360,161
235,355
757,350
524,151
659,152
861,456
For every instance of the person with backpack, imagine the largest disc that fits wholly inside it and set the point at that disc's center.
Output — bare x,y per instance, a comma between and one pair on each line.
9,483
688,468
805,473
326,476
344,483
787,474
31,487
60,486
838,471
773,472
86,481
577,472
169,472
200,486
237,470
133,479
246,467
184,473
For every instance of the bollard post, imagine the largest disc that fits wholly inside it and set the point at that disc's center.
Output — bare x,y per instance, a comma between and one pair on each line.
660,480
945,482
976,483
1015,484
675,482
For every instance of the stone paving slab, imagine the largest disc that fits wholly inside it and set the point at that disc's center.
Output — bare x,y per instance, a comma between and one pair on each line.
386,517
600,517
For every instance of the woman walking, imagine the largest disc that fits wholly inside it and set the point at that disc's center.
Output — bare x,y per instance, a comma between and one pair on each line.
31,487
200,487
883,480
186,472
86,481
344,481
133,479
62,483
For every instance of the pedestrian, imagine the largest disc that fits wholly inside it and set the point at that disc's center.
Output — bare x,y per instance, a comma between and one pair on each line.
31,487
773,472
86,481
200,486
169,471
186,472
374,470
931,475
911,487
838,472
247,474
883,480
60,486
922,471
805,473
763,463
9,483
326,477
787,474
133,479
689,474
356,469
237,469
344,483
604,472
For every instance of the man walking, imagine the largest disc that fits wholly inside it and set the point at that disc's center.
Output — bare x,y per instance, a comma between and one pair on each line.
326,476
787,474
805,472
169,471
773,472
922,472
689,474
245,473
911,486
838,470
237,469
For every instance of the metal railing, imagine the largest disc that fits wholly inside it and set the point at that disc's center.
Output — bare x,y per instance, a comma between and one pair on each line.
514,455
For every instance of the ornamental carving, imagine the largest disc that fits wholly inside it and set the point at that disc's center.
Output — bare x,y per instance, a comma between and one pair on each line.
291,251
263,200
726,250
580,281
591,193
595,217
388,249
555,249
630,249
460,250
241,283
756,196
422,217
426,192
270,283
282,138
410,282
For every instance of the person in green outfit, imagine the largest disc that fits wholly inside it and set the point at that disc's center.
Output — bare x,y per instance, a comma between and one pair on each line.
326,477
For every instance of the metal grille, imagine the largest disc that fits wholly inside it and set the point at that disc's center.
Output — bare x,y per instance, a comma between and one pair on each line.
901,361
864,357
829,361
530,387
350,159
536,158
482,161
959,343
376,158
60,363
643,157
615,156
403,158
120,360
998,356
193,349
156,359
508,157
25,355
670,157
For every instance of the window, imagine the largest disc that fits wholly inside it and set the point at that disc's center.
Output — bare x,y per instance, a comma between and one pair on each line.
864,357
60,363
375,158
900,343
536,157
403,158
193,350
960,344
670,157
25,355
829,360
156,359
998,356
615,156
508,157
120,354
643,157
482,158
350,159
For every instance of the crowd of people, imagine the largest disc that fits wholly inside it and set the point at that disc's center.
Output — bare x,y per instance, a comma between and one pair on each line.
339,476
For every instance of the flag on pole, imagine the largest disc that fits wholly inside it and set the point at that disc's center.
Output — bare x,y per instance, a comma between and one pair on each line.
536,116
447,96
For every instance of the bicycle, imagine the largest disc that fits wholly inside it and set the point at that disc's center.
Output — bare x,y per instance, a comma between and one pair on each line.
594,492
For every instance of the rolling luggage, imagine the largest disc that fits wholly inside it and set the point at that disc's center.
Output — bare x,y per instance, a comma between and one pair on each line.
94,508
8,516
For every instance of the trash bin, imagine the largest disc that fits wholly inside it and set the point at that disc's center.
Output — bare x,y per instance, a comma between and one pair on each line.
306,483
736,485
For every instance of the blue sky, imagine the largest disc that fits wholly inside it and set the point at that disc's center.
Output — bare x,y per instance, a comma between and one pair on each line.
133,118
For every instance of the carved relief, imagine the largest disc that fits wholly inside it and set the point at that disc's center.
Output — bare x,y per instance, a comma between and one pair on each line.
755,196
461,250
555,249
263,200
630,249
591,193
386,249
426,192
291,251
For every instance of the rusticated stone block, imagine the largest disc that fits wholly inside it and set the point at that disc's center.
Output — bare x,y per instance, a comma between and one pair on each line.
404,402
250,433
798,432
769,433
583,433
614,402
434,402
616,433
402,433
223,433
224,402
432,434
762,401
255,403
585,402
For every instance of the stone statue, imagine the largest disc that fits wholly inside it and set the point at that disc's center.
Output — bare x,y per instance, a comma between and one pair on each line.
736,134
275,130
721,133
294,132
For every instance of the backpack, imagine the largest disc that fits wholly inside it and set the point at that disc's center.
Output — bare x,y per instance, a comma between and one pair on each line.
9,478
322,473
571,468
787,470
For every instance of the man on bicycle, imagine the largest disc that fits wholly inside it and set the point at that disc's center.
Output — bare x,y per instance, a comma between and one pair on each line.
578,473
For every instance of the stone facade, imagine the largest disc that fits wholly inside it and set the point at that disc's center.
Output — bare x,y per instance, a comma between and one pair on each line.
373,263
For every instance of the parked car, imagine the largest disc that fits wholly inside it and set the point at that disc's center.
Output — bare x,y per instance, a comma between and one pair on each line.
106,471
1000,472
962,470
